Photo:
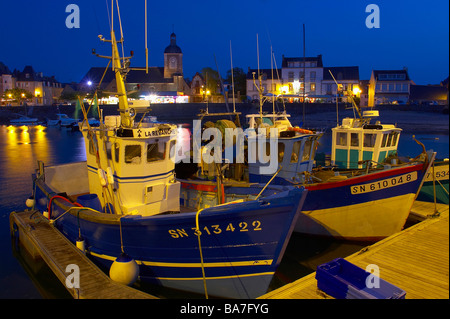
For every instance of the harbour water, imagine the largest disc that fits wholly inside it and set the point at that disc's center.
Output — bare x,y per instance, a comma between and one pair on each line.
20,149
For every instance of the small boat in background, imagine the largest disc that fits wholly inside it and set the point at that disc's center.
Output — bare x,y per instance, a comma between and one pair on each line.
24,120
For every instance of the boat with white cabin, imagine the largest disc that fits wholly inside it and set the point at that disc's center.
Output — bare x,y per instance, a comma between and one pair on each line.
122,208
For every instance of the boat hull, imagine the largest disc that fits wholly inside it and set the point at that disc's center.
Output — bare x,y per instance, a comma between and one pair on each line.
440,186
363,208
242,243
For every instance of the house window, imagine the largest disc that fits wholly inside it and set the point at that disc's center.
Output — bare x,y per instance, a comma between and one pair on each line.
398,87
301,75
391,87
329,88
313,87
291,76
405,87
384,87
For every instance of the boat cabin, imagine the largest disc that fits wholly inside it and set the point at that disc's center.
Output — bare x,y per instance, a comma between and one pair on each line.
130,169
357,141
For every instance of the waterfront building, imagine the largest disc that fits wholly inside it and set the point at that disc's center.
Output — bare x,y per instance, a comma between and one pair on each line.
302,75
389,86
348,79
45,90
160,85
7,81
271,83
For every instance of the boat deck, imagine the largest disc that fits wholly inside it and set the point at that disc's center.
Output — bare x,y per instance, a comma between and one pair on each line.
44,241
415,260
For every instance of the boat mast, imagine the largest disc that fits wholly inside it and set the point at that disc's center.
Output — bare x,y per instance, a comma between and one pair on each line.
120,73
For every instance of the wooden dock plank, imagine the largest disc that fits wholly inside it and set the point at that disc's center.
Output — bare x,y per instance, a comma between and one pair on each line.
58,252
415,259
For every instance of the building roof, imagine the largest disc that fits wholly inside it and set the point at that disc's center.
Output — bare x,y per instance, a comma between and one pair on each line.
390,75
155,75
173,47
428,93
266,74
4,69
318,59
341,73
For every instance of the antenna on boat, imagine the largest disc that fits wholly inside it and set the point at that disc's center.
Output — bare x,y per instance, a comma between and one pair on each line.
232,77
304,73
259,88
146,49
337,88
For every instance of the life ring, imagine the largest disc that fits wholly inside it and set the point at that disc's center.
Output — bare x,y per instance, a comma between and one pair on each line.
300,130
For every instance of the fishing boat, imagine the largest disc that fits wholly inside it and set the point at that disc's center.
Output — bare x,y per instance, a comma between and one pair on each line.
368,192
435,186
122,208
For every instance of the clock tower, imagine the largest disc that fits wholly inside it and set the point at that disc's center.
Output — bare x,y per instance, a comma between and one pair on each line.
173,58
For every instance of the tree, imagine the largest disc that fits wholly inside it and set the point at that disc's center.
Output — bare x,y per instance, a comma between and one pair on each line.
240,80
212,79
17,94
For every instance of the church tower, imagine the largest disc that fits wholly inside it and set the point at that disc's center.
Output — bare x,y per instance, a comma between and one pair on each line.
173,58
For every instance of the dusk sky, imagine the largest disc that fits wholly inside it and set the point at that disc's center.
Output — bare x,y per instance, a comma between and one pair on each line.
412,34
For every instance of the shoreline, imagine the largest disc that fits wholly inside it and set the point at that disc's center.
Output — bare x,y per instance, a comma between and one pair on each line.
417,118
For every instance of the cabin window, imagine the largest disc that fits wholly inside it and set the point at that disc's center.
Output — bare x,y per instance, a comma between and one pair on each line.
394,138
383,142
307,151
155,152
91,146
354,139
108,150
133,154
173,149
389,141
341,139
295,151
280,152
116,152
369,140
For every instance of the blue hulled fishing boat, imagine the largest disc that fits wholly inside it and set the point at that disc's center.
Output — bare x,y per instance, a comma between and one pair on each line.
122,207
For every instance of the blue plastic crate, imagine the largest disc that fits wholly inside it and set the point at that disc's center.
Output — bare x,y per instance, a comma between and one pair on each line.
343,280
